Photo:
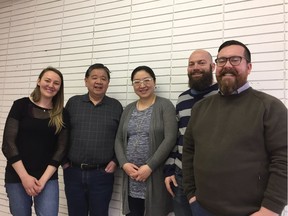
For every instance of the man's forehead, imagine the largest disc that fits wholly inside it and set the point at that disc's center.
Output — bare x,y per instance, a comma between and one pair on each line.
232,50
199,55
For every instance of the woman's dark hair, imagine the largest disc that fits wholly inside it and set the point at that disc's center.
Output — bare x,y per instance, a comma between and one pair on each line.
97,66
247,52
146,69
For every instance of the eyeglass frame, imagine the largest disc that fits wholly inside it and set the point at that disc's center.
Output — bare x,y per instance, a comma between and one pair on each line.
229,59
145,81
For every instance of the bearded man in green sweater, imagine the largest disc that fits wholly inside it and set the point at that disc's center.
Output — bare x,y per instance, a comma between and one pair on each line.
235,145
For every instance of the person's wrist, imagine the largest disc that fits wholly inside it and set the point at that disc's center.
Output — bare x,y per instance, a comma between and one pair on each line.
66,165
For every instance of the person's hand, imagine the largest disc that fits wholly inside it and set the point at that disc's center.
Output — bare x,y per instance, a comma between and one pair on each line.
111,167
66,165
143,173
192,199
264,212
40,185
31,185
168,181
131,170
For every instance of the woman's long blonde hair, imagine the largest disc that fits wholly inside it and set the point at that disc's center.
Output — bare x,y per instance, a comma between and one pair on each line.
56,118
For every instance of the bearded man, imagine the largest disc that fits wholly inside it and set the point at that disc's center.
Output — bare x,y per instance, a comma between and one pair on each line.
200,69
235,145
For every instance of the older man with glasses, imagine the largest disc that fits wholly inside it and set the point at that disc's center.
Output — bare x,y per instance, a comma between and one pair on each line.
235,145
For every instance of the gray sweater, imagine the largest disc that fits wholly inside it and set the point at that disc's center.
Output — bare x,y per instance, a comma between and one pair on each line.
163,133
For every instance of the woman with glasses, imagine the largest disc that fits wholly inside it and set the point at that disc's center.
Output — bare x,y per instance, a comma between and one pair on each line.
146,135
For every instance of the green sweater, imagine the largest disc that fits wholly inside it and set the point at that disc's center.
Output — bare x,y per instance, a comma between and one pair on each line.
235,153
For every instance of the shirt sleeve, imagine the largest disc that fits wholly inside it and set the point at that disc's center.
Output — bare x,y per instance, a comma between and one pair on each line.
9,147
187,163
167,111
62,142
275,124
170,166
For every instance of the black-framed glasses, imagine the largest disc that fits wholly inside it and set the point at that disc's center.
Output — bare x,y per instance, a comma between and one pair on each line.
234,60
145,81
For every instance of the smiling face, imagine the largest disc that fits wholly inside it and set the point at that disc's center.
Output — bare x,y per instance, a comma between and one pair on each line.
49,84
200,68
97,83
229,77
144,88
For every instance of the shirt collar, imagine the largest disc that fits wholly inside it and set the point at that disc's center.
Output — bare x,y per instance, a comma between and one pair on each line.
86,98
243,88
239,90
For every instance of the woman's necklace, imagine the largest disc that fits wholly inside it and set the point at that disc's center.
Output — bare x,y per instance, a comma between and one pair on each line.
45,107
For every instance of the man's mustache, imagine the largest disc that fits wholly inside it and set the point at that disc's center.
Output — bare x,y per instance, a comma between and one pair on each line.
225,71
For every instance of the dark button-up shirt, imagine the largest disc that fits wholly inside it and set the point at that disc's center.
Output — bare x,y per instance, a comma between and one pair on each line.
93,129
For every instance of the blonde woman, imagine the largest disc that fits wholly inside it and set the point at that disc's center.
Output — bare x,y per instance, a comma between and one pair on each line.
34,143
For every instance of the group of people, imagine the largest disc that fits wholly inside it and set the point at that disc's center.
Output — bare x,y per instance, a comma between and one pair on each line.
221,152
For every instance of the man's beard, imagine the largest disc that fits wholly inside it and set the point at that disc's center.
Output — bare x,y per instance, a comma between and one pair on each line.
228,86
202,83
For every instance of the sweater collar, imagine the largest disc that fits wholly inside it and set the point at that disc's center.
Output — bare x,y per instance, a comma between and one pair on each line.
239,90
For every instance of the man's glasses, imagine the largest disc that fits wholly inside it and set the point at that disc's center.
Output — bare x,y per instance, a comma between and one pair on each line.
234,60
145,81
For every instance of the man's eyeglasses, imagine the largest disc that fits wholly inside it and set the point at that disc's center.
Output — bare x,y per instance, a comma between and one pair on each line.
145,81
234,60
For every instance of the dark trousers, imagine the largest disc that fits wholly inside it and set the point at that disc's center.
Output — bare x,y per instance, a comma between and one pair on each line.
181,205
88,191
136,206
198,210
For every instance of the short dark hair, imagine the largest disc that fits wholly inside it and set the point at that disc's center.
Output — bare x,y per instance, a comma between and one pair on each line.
145,68
97,66
247,52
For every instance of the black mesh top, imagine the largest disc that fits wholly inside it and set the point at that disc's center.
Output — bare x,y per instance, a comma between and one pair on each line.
28,137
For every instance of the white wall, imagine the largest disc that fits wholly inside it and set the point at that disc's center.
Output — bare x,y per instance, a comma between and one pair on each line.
72,34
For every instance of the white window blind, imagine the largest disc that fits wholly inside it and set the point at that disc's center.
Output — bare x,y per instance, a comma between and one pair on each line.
123,34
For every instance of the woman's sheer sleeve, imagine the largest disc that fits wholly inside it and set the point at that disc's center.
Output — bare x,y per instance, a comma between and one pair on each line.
9,147
62,142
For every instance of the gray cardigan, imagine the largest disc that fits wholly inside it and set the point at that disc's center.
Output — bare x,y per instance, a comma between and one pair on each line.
163,133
